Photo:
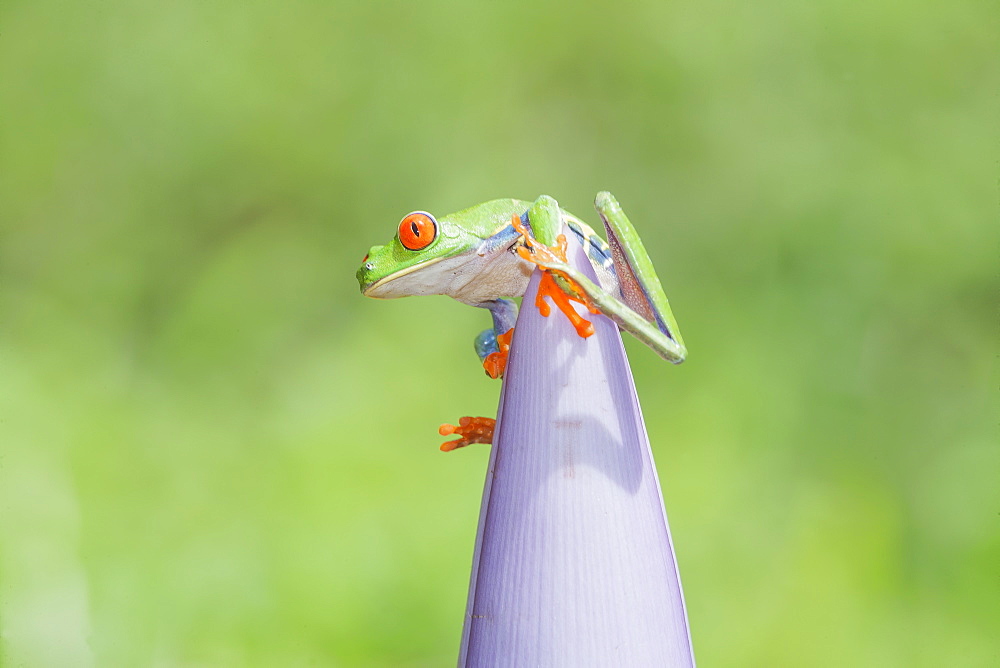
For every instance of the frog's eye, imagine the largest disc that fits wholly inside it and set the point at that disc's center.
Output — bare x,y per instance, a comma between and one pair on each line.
417,230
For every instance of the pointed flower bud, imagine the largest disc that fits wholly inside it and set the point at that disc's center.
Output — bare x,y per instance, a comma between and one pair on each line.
573,564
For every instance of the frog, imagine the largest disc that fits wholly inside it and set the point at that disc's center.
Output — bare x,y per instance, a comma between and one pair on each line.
484,256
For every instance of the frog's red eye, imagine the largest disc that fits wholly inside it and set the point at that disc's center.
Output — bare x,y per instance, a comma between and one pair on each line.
417,230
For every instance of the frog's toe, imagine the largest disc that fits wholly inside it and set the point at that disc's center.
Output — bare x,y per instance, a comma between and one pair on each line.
495,364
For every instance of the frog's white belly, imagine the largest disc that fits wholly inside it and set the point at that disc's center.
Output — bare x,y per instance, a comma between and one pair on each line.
471,280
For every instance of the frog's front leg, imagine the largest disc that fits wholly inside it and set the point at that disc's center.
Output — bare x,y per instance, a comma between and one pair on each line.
544,246
492,344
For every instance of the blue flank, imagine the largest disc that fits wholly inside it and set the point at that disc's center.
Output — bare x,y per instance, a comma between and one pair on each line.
597,249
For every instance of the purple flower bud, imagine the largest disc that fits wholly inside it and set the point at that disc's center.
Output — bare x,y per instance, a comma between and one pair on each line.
573,563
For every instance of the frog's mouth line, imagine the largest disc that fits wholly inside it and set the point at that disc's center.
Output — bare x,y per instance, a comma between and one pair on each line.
367,292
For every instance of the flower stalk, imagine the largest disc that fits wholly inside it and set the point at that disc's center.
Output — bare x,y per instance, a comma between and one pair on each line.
573,564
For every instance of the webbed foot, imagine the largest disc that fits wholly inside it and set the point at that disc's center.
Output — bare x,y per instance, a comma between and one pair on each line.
470,429
496,362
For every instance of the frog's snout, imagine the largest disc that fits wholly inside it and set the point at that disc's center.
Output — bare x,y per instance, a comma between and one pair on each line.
365,270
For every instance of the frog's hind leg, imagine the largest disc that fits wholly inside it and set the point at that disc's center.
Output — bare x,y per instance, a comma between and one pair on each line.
638,283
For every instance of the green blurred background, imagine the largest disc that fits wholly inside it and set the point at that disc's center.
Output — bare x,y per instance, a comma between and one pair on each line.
215,452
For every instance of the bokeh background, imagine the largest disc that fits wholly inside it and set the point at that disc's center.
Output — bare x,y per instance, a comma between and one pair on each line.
215,452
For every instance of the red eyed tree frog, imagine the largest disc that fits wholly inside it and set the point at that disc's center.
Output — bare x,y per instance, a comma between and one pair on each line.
484,255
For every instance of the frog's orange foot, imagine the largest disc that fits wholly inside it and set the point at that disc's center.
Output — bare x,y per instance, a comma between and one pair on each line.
544,257
496,363
549,287
470,429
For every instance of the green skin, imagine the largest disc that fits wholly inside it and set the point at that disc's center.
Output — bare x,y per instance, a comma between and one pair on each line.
473,258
